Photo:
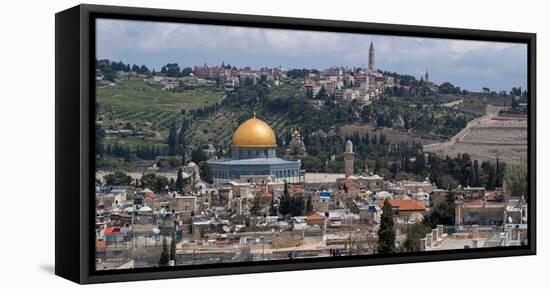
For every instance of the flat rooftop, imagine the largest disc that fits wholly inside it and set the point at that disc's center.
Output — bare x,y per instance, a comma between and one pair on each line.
322,177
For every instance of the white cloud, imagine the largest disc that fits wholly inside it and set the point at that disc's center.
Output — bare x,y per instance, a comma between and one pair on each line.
448,59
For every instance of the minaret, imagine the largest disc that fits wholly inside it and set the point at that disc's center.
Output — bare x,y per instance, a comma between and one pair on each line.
349,157
371,57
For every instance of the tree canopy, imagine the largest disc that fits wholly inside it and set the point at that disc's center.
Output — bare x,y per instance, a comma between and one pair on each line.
415,232
515,178
118,179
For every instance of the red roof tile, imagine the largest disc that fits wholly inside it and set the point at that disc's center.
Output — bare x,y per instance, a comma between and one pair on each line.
315,217
100,244
475,203
150,195
266,195
111,230
405,205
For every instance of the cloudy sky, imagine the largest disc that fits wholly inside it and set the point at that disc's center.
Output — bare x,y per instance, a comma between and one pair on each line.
468,64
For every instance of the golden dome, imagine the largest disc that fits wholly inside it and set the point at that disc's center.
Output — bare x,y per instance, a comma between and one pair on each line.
296,133
254,133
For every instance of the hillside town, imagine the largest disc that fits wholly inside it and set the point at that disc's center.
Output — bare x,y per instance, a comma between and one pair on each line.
167,198
339,83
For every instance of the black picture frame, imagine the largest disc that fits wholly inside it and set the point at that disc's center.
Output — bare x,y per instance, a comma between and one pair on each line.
74,155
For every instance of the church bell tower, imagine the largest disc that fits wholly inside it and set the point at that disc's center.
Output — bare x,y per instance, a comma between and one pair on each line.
349,157
371,58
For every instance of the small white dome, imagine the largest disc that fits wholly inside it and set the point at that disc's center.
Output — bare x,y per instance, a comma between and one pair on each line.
382,195
416,217
145,209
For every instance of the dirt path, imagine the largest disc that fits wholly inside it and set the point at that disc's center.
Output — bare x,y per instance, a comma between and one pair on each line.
453,103
490,111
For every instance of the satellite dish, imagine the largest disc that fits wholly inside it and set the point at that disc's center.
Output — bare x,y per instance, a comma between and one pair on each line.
156,231
510,220
226,228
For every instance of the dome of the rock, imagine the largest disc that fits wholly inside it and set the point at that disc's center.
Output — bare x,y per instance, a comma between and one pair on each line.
254,133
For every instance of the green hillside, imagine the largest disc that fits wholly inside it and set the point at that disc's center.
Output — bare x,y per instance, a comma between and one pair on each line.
146,107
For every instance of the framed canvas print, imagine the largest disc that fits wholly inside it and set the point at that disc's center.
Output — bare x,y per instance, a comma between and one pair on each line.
195,144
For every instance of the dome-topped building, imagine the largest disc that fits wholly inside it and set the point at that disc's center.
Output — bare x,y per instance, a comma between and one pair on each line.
253,154
254,133
296,147
254,138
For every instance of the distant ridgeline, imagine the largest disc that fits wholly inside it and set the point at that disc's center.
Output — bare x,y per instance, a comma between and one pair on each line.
108,69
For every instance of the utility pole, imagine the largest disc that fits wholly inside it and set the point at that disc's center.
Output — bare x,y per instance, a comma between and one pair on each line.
263,245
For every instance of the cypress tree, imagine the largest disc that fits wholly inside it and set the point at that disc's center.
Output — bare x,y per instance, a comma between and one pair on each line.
172,139
164,255
272,207
285,203
256,206
206,172
173,247
181,140
309,205
476,175
386,232
179,181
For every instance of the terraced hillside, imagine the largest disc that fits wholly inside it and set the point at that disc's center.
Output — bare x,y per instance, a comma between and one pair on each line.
217,129
487,138
148,108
